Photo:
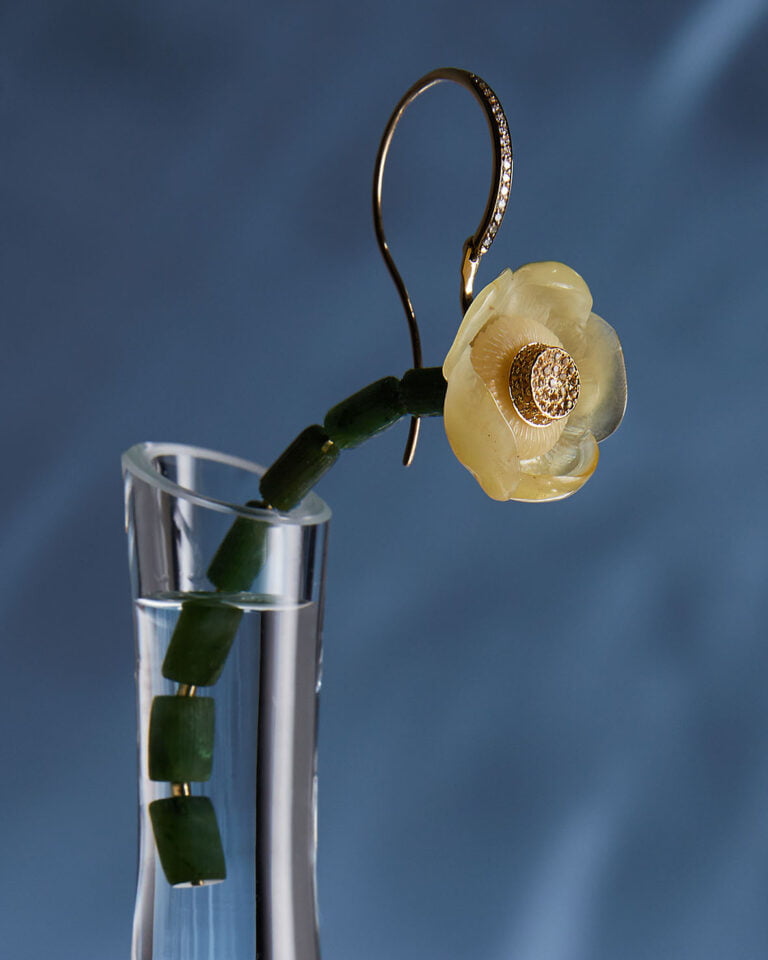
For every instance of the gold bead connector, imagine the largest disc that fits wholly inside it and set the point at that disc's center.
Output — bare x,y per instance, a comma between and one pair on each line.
544,383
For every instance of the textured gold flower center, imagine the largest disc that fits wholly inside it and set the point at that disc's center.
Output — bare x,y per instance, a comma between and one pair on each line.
544,383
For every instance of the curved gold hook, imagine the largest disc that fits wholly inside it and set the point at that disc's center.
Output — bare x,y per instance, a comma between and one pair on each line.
481,240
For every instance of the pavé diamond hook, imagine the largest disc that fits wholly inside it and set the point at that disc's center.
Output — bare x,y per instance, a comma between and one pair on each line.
481,240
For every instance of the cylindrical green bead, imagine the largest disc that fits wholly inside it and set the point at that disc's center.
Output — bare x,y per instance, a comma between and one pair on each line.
240,556
298,468
181,739
423,391
365,413
188,840
200,643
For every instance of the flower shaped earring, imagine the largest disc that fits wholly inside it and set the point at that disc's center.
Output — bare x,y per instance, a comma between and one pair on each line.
535,379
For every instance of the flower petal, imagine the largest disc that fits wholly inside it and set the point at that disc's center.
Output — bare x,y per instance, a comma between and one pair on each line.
492,352
478,433
560,290
483,307
603,396
559,473
591,342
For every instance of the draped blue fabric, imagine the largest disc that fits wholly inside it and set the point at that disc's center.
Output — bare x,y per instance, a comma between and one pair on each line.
544,729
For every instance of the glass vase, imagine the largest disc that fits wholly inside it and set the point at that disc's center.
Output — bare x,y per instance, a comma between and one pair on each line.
228,607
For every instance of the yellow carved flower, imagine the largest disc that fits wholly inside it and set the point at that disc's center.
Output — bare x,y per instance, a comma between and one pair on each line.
535,379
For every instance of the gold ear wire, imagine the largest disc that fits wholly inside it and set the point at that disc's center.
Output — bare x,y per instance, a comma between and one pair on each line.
481,240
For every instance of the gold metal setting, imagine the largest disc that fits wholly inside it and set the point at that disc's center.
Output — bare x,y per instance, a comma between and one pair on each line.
543,383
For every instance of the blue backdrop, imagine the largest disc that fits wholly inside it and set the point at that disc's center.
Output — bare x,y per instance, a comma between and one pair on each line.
507,771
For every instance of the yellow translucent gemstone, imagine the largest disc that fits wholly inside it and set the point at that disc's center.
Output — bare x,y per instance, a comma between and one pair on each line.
492,353
600,359
483,308
562,470
478,434
520,458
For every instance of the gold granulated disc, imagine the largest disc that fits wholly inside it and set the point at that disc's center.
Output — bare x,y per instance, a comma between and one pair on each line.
544,383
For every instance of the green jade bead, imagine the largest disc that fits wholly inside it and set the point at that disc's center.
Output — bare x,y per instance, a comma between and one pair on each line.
181,739
188,840
365,413
205,630
201,640
240,556
423,391
298,468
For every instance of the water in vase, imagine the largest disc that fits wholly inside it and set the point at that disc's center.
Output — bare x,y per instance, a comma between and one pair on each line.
262,787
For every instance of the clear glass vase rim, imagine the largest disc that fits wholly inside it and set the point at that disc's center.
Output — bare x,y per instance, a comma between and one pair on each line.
138,461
